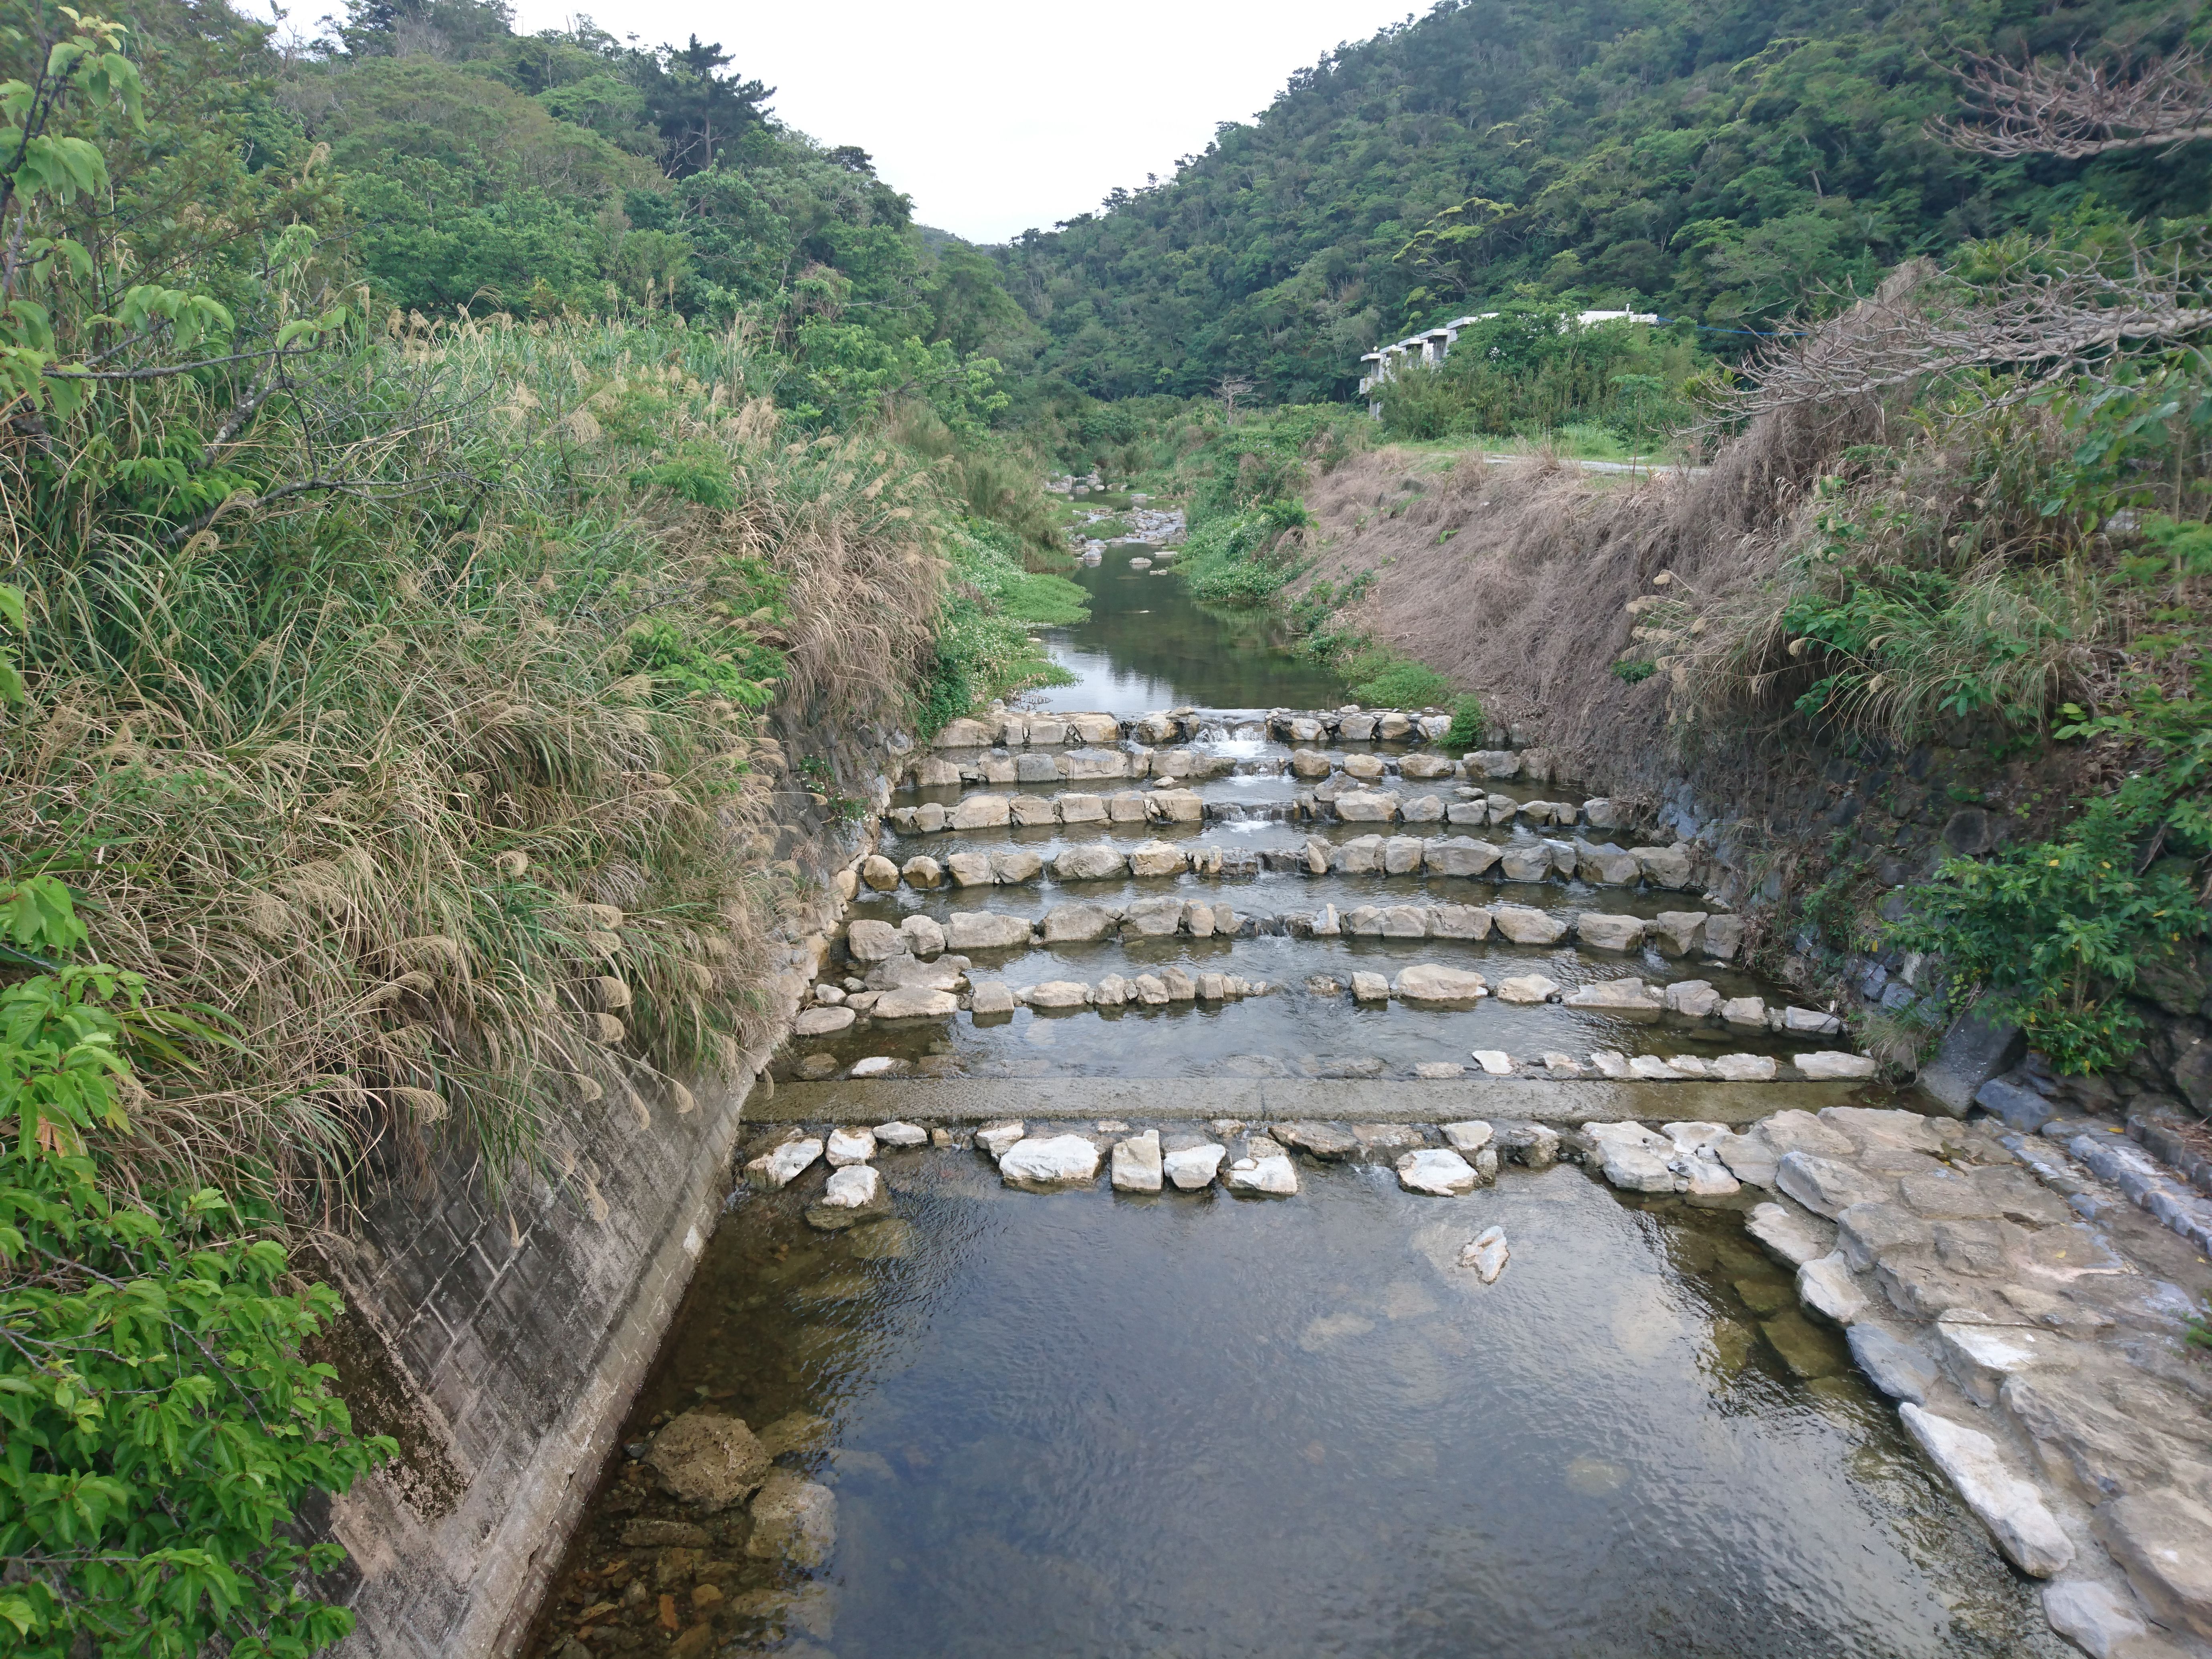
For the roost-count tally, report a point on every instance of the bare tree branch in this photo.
(2081, 108)
(2048, 325)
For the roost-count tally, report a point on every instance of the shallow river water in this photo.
(1090, 1424)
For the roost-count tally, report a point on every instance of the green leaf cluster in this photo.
(161, 1428)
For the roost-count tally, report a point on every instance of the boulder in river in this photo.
(915, 1002)
(1528, 990)
(985, 930)
(1632, 1157)
(1429, 983)
(1191, 1163)
(1049, 1161)
(1436, 1171)
(1524, 925)
(868, 940)
(1601, 932)
(852, 1193)
(707, 1460)
(850, 1147)
(1625, 998)
(1261, 1172)
(1137, 1164)
(1092, 862)
(1322, 1140)
(779, 1167)
(1835, 1064)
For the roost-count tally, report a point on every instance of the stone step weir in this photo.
(1014, 729)
(1004, 766)
(989, 810)
(1259, 1101)
(1668, 868)
(1671, 932)
(1421, 985)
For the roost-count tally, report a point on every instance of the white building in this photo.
(1432, 346)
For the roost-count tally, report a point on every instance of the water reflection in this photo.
(1147, 646)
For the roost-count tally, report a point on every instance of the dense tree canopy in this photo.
(1726, 163)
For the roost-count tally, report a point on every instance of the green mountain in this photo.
(1725, 163)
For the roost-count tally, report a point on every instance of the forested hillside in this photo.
(1724, 163)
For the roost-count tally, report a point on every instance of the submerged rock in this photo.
(707, 1460)
(1487, 1254)
(794, 1521)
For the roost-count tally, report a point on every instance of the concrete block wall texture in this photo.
(521, 1325)
(500, 1332)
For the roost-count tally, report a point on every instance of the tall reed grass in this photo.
(452, 791)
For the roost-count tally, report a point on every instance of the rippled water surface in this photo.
(1085, 1423)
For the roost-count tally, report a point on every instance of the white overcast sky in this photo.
(998, 115)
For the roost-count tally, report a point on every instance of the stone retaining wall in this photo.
(2028, 1320)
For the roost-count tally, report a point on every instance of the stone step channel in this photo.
(1174, 801)
(1470, 857)
(1673, 934)
(1527, 954)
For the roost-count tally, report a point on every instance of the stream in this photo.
(1098, 1424)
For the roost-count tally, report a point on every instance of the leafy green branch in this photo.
(161, 1426)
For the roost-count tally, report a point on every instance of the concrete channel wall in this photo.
(500, 1329)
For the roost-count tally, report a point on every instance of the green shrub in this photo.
(1467, 726)
(1381, 679)
(697, 472)
(2055, 935)
(162, 1427)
